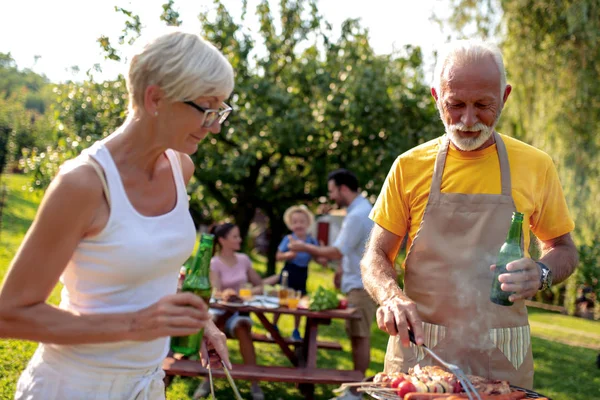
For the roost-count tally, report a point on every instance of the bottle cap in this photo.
(182, 270)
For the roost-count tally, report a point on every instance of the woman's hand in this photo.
(180, 314)
(214, 347)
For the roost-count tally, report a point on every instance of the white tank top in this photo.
(129, 265)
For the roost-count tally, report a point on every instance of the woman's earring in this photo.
(156, 113)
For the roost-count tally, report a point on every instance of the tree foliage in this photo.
(24, 96)
(80, 115)
(304, 104)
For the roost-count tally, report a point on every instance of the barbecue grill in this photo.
(393, 396)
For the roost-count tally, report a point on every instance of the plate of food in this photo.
(267, 299)
(230, 298)
(264, 301)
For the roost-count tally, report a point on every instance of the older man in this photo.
(454, 197)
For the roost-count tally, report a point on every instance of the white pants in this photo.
(45, 379)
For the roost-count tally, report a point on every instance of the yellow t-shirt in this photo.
(536, 189)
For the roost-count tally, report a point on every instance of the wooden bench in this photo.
(172, 366)
(259, 337)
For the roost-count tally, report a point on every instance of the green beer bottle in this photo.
(510, 251)
(197, 281)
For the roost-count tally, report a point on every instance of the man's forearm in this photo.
(379, 276)
(329, 252)
(561, 257)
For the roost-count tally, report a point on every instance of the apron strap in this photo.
(504, 165)
(440, 162)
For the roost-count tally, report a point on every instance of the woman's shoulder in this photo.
(243, 258)
(186, 164)
(76, 178)
(215, 262)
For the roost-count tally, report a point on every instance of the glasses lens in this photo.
(211, 117)
(224, 116)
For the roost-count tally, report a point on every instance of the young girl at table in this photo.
(298, 219)
(230, 270)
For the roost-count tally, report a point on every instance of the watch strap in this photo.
(544, 284)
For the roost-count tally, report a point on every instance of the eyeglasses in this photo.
(212, 115)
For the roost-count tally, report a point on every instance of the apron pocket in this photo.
(512, 342)
(433, 335)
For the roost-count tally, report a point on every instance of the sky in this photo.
(63, 33)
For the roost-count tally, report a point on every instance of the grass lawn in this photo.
(563, 372)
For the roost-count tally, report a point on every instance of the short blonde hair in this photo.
(463, 52)
(183, 65)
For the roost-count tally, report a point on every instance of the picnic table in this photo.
(302, 354)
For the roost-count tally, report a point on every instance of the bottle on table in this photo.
(197, 281)
(511, 250)
(283, 290)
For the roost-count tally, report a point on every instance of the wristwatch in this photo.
(546, 277)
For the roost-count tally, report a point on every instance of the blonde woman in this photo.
(114, 227)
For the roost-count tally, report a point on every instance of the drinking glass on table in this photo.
(293, 299)
(283, 296)
(246, 291)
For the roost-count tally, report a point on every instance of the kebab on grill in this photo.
(434, 379)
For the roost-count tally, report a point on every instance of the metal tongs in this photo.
(210, 381)
(470, 390)
(236, 392)
(231, 382)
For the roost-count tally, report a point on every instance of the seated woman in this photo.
(229, 270)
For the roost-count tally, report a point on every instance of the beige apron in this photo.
(448, 276)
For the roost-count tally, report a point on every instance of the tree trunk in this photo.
(243, 218)
(277, 229)
(4, 132)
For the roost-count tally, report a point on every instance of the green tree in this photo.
(81, 114)
(13, 80)
(24, 96)
(304, 105)
(169, 15)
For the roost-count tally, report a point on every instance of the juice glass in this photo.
(283, 296)
(293, 299)
(246, 291)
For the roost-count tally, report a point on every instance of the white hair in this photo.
(462, 52)
(183, 65)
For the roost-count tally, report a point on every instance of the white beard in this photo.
(468, 143)
(473, 143)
